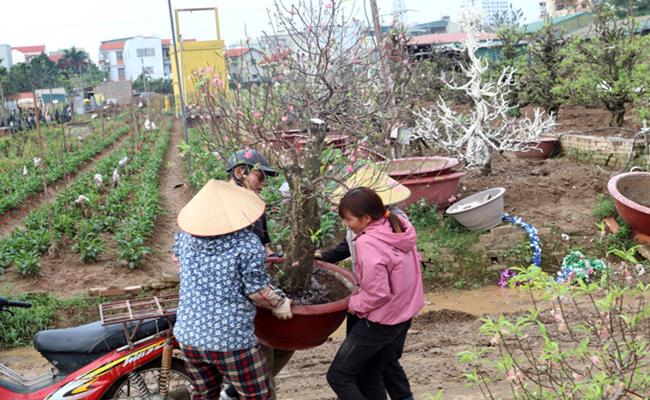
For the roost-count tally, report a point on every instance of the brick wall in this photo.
(602, 150)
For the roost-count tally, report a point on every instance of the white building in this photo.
(25, 53)
(558, 8)
(489, 8)
(5, 56)
(128, 58)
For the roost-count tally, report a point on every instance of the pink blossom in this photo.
(595, 360)
(576, 376)
(284, 118)
(248, 154)
(216, 81)
(293, 11)
(209, 70)
(349, 169)
(257, 114)
(226, 139)
(495, 340)
(514, 375)
(353, 158)
(290, 107)
(329, 5)
(240, 113)
(202, 71)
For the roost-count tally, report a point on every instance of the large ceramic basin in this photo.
(479, 211)
(419, 167)
(631, 193)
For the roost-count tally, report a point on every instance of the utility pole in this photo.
(178, 76)
(385, 72)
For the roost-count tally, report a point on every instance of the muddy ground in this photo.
(550, 193)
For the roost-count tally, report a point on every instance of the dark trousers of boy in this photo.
(367, 364)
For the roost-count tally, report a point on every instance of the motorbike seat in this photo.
(69, 349)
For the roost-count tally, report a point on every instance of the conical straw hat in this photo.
(390, 191)
(220, 208)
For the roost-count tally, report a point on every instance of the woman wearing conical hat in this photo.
(222, 279)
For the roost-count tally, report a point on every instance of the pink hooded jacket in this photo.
(388, 272)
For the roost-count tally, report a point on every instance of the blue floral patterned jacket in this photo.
(217, 274)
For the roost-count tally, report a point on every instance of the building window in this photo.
(119, 56)
(148, 52)
(147, 70)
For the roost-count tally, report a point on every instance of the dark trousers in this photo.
(367, 364)
(276, 359)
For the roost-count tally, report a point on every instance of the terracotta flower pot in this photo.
(419, 167)
(311, 325)
(479, 211)
(540, 149)
(440, 189)
(631, 193)
(337, 141)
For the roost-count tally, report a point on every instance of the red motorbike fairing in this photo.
(93, 380)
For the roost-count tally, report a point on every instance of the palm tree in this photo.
(75, 60)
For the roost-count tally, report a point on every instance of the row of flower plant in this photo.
(99, 203)
(21, 182)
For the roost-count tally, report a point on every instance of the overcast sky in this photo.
(85, 23)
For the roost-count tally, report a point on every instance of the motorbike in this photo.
(130, 353)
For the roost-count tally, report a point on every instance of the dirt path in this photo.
(174, 194)
(67, 271)
(12, 219)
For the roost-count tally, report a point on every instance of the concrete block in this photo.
(133, 289)
(644, 250)
(171, 277)
(642, 238)
(611, 225)
(112, 291)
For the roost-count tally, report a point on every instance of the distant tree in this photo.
(610, 68)
(542, 79)
(624, 8)
(74, 61)
(161, 85)
(510, 33)
(39, 72)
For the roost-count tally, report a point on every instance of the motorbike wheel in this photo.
(127, 387)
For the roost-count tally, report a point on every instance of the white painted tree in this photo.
(474, 137)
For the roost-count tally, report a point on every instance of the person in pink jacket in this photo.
(389, 295)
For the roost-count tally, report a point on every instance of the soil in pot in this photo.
(325, 287)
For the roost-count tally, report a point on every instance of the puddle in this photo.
(486, 300)
(25, 360)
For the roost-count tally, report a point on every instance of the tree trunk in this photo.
(305, 217)
(618, 117)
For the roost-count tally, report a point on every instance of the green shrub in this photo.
(604, 207)
(19, 329)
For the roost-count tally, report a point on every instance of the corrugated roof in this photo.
(443, 38)
(539, 25)
(30, 49)
(55, 57)
(433, 24)
(236, 52)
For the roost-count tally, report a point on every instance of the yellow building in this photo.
(193, 56)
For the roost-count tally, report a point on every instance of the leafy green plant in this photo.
(27, 262)
(89, 248)
(626, 255)
(19, 329)
(604, 207)
(581, 341)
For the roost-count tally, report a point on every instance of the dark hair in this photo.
(365, 201)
